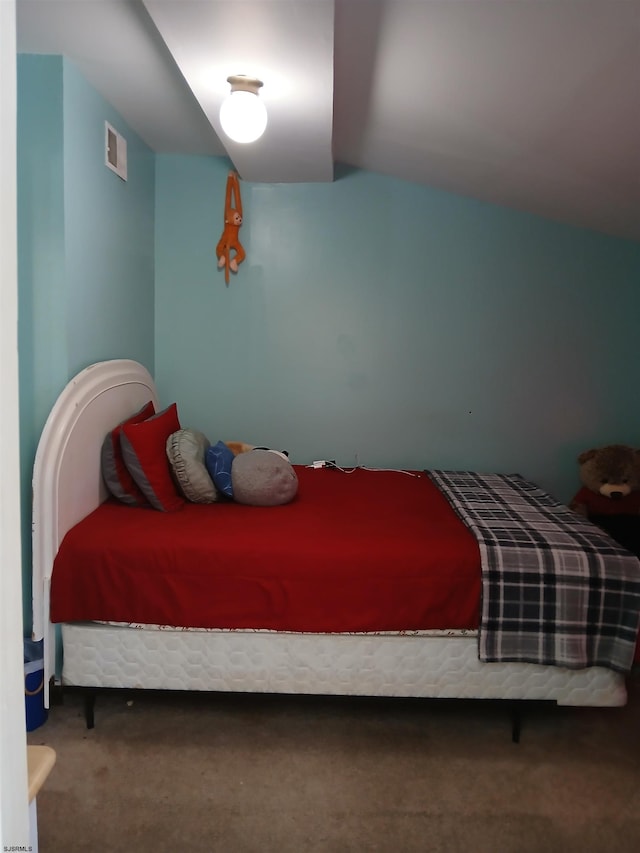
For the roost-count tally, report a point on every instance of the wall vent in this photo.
(115, 151)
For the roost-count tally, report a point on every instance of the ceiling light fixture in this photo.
(243, 115)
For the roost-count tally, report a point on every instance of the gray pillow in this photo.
(263, 478)
(185, 452)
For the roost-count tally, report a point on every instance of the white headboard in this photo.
(67, 480)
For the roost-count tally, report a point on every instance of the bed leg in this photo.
(89, 706)
(56, 695)
(516, 722)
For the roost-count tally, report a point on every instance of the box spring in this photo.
(416, 664)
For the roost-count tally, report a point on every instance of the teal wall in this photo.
(372, 317)
(405, 325)
(109, 228)
(41, 261)
(85, 249)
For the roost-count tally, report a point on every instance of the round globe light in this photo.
(243, 115)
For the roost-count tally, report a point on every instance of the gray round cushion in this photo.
(263, 478)
(185, 452)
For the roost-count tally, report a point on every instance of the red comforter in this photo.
(367, 551)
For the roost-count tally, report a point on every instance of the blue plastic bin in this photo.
(36, 713)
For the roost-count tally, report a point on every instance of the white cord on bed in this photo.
(397, 470)
(335, 467)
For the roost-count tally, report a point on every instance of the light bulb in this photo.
(243, 115)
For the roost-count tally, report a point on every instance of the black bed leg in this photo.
(56, 695)
(89, 706)
(516, 723)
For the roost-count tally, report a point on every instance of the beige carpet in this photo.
(277, 774)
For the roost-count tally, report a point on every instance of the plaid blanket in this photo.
(555, 588)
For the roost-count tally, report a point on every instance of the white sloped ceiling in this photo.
(525, 103)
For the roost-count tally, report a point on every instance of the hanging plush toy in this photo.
(230, 242)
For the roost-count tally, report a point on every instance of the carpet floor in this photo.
(238, 773)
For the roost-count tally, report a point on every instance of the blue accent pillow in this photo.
(218, 459)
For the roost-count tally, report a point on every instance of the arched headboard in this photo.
(67, 480)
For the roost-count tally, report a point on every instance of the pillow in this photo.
(263, 478)
(218, 459)
(144, 452)
(117, 478)
(185, 452)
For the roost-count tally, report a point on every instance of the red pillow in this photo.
(145, 455)
(117, 478)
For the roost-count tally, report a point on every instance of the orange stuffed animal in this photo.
(232, 221)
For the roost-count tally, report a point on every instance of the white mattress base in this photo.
(445, 667)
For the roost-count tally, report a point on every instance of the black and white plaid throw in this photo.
(555, 589)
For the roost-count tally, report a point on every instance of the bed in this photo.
(541, 565)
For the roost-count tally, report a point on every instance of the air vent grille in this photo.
(115, 151)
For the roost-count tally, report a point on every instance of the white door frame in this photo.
(14, 809)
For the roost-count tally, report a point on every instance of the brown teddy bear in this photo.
(610, 492)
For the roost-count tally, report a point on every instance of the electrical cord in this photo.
(332, 465)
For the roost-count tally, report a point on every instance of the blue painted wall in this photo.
(109, 234)
(41, 249)
(405, 325)
(85, 249)
(372, 317)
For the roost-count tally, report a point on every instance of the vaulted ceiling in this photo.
(532, 104)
